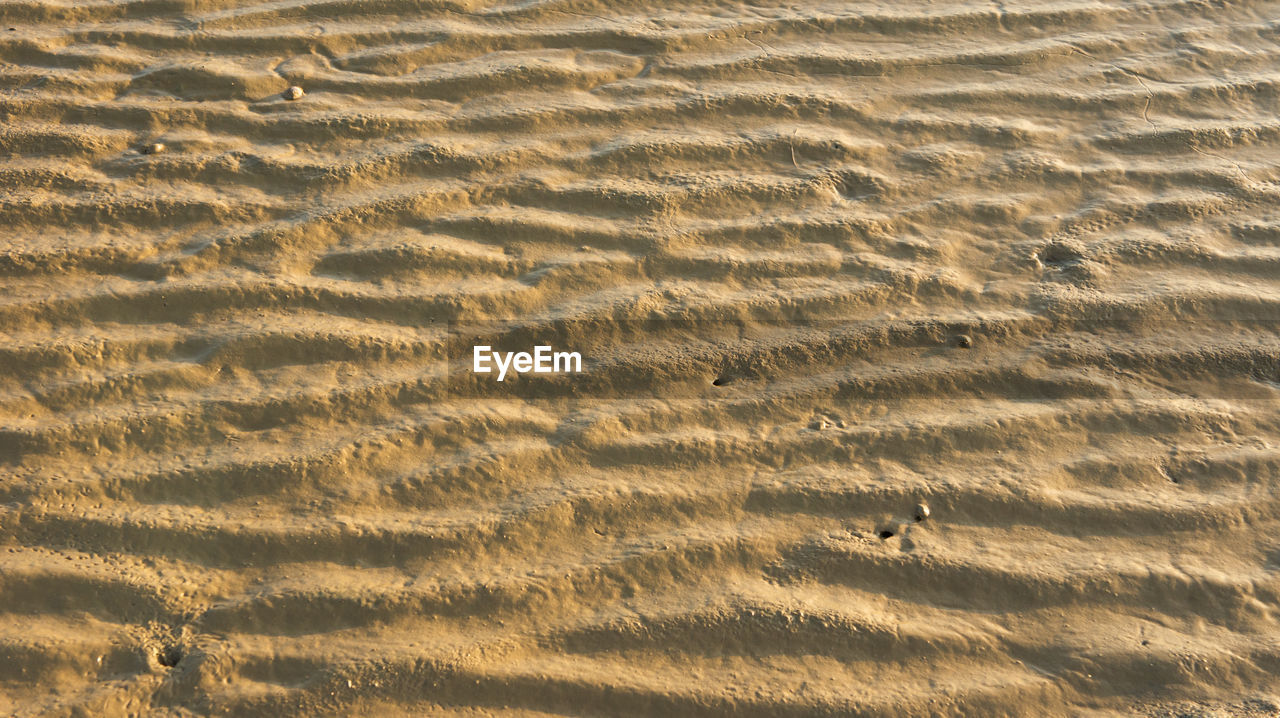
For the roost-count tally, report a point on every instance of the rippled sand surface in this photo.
(238, 478)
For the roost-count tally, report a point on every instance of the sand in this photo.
(831, 263)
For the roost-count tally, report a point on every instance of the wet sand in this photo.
(239, 476)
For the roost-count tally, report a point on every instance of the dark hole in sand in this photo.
(886, 534)
(169, 656)
(719, 381)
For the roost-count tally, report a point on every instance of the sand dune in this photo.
(244, 474)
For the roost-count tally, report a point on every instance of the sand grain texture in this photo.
(238, 480)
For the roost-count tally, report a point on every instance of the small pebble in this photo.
(922, 512)
(154, 148)
(294, 93)
(964, 341)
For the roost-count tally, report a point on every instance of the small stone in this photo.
(154, 148)
(964, 341)
(922, 512)
(294, 93)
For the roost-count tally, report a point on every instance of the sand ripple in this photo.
(237, 478)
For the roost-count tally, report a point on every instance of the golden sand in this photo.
(933, 358)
